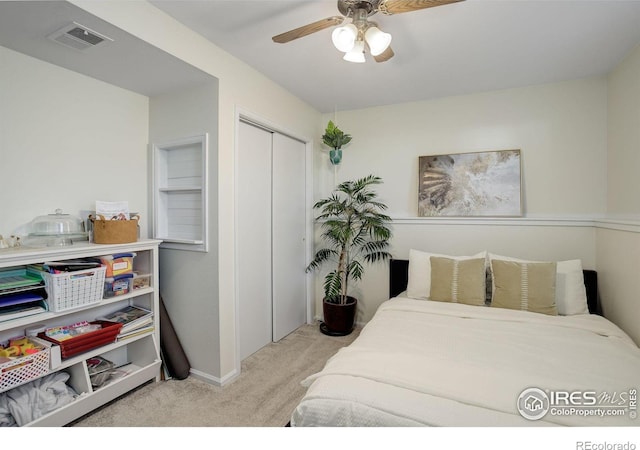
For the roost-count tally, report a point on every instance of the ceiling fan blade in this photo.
(307, 29)
(385, 55)
(401, 6)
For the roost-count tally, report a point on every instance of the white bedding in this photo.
(422, 363)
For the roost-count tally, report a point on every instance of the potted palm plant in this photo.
(355, 231)
(335, 138)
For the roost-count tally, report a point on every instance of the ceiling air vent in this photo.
(78, 37)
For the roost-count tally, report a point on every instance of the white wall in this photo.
(618, 246)
(240, 87)
(67, 140)
(618, 255)
(561, 131)
(623, 161)
(560, 128)
(189, 280)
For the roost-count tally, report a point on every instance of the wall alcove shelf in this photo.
(180, 193)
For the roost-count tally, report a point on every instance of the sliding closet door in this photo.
(288, 235)
(253, 243)
(270, 239)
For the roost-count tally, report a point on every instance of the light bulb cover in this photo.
(344, 37)
(378, 40)
(356, 54)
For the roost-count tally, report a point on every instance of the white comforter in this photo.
(431, 363)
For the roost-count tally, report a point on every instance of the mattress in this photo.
(425, 363)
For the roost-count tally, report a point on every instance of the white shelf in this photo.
(180, 193)
(86, 403)
(28, 255)
(182, 189)
(45, 316)
(182, 241)
(141, 351)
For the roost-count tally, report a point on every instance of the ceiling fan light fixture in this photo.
(356, 54)
(378, 40)
(344, 38)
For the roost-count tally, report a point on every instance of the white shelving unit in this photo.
(180, 193)
(141, 352)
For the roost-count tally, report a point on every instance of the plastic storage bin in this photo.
(140, 281)
(80, 344)
(118, 264)
(118, 285)
(70, 290)
(25, 368)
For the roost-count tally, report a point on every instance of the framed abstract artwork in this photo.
(479, 184)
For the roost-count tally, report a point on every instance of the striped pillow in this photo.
(524, 286)
(458, 280)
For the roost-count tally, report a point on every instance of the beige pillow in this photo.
(524, 286)
(419, 276)
(458, 280)
(571, 296)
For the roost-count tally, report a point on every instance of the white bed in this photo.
(433, 363)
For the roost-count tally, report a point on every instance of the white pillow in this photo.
(571, 294)
(419, 280)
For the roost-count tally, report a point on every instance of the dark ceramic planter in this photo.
(339, 319)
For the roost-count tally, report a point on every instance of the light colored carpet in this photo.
(264, 395)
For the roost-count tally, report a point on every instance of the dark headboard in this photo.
(399, 276)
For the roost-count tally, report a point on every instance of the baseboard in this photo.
(207, 378)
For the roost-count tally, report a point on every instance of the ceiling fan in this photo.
(353, 37)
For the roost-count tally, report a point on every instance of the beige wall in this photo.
(618, 255)
(67, 140)
(623, 160)
(240, 87)
(175, 115)
(618, 245)
(561, 130)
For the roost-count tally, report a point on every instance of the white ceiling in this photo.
(471, 46)
(127, 62)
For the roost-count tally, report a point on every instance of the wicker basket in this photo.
(114, 231)
(71, 290)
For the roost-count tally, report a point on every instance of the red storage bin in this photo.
(80, 344)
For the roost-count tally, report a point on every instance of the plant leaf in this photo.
(354, 230)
